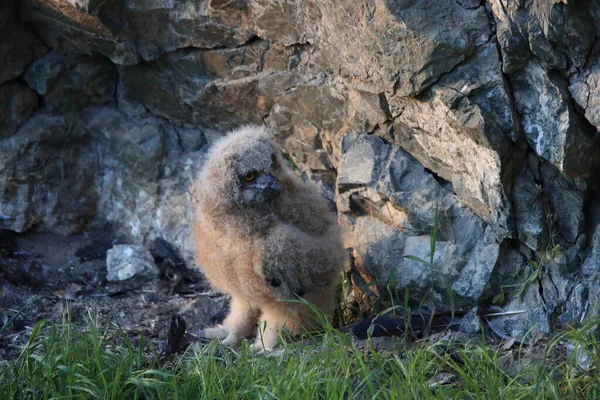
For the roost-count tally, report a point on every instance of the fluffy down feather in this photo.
(264, 236)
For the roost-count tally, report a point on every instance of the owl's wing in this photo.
(295, 262)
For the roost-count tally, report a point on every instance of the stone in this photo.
(558, 33)
(185, 87)
(90, 81)
(19, 103)
(469, 4)
(46, 173)
(526, 319)
(577, 305)
(306, 116)
(537, 291)
(361, 162)
(478, 164)
(591, 265)
(43, 72)
(137, 143)
(191, 139)
(69, 174)
(585, 89)
(532, 227)
(73, 30)
(471, 322)
(283, 23)
(162, 27)
(476, 273)
(128, 31)
(569, 29)
(513, 46)
(552, 127)
(394, 202)
(581, 354)
(368, 109)
(125, 262)
(69, 84)
(564, 203)
(19, 46)
(395, 45)
(482, 83)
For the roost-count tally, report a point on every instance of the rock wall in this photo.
(484, 113)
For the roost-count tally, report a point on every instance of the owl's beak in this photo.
(263, 188)
(272, 182)
(272, 187)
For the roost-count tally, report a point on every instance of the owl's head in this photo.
(243, 170)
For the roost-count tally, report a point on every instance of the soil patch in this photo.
(59, 279)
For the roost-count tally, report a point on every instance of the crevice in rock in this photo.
(251, 40)
(469, 4)
(360, 206)
(587, 128)
(443, 182)
(116, 85)
(427, 85)
(541, 293)
(590, 57)
(471, 99)
(508, 86)
(385, 107)
(553, 283)
(591, 210)
(587, 97)
(187, 50)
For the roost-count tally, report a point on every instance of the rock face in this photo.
(480, 119)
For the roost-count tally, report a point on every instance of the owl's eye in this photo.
(248, 177)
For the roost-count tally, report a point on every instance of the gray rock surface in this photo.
(124, 262)
(552, 127)
(19, 46)
(90, 81)
(47, 171)
(43, 72)
(462, 129)
(471, 322)
(485, 111)
(390, 202)
(18, 103)
(530, 215)
(67, 174)
(585, 89)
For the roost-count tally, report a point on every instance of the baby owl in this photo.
(264, 236)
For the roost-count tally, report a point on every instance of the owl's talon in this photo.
(231, 340)
(208, 334)
(257, 348)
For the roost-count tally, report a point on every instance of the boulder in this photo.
(551, 125)
(392, 203)
(124, 262)
(19, 103)
(19, 46)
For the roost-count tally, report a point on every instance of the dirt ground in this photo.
(55, 278)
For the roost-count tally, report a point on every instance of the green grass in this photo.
(62, 363)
